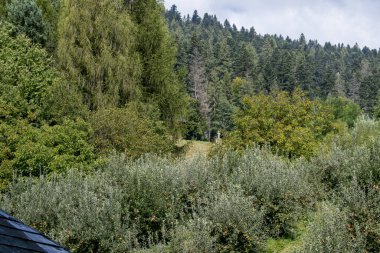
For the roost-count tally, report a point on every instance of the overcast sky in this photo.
(337, 21)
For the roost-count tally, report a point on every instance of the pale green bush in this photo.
(279, 187)
(231, 203)
(362, 205)
(328, 233)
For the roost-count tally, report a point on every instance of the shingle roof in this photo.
(16, 237)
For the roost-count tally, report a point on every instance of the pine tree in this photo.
(158, 57)
(339, 87)
(28, 19)
(247, 61)
(198, 85)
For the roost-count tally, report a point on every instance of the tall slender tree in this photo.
(198, 86)
(157, 52)
(96, 48)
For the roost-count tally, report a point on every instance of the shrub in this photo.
(214, 205)
(85, 213)
(344, 110)
(328, 233)
(194, 236)
(353, 154)
(280, 188)
(361, 203)
(34, 151)
(291, 125)
(125, 130)
(237, 224)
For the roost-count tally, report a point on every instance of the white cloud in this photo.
(337, 21)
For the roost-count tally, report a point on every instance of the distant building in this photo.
(16, 237)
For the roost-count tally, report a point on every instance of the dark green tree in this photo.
(157, 52)
(28, 19)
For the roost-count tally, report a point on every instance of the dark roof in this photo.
(16, 237)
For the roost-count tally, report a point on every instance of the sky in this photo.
(336, 21)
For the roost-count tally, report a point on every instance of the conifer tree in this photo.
(158, 57)
(96, 48)
(198, 85)
(28, 19)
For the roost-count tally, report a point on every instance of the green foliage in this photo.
(30, 87)
(344, 110)
(126, 130)
(361, 203)
(37, 136)
(118, 57)
(50, 11)
(195, 124)
(96, 41)
(328, 233)
(3, 8)
(291, 124)
(33, 151)
(157, 53)
(25, 73)
(28, 19)
(194, 236)
(94, 204)
(225, 210)
(62, 101)
(222, 204)
(164, 205)
(272, 62)
(376, 109)
(353, 154)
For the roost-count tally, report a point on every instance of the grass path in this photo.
(195, 148)
(288, 245)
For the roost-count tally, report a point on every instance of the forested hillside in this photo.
(125, 127)
(220, 63)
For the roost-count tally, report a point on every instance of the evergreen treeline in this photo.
(221, 63)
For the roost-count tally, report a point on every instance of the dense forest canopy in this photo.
(229, 63)
(98, 97)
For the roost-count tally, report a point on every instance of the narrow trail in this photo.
(197, 148)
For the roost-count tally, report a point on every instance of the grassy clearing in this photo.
(193, 149)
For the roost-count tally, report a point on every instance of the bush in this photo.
(194, 236)
(34, 151)
(25, 73)
(128, 205)
(229, 203)
(344, 110)
(221, 204)
(235, 221)
(280, 188)
(292, 125)
(328, 233)
(127, 131)
(85, 213)
(361, 203)
(353, 154)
